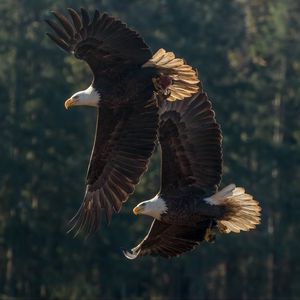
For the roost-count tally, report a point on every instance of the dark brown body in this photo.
(125, 85)
(187, 208)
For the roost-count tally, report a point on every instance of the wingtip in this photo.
(84, 11)
(129, 255)
(72, 11)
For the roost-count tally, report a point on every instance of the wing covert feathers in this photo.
(184, 80)
(242, 211)
(124, 143)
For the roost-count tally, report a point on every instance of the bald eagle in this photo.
(128, 83)
(190, 207)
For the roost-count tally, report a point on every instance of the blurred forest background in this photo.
(248, 57)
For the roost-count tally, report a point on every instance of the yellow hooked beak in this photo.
(69, 103)
(136, 210)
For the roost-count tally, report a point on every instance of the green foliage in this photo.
(247, 54)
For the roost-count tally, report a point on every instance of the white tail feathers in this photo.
(184, 79)
(242, 212)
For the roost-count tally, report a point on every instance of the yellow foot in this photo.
(222, 228)
(209, 235)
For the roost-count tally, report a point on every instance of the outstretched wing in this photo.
(103, 41)
(124, 142)
(169, 240)
(190, 140)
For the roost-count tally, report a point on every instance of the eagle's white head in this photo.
(154, 207)
(89, 97)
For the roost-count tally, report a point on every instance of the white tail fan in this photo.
(184, 79)
(242, 211)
